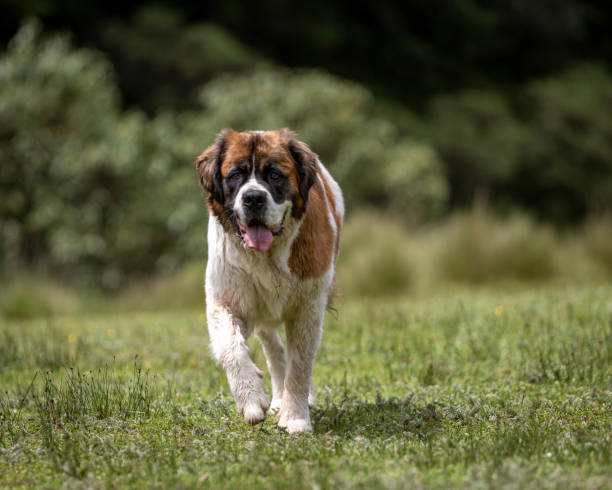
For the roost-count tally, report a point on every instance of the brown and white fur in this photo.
(275, 217)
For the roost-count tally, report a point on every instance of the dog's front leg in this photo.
(228, 336)
(275, 358)
(303, 338)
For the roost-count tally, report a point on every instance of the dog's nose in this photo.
(254, 199)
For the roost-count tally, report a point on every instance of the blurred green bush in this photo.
(380, 257)
(377, 258)
(480, 142)
(546, 149)
(596, 235)
(568, 160)
(478, 247)
(86, 189)
(29, 296)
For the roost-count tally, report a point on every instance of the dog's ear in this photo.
(208, 165)
(305, 161)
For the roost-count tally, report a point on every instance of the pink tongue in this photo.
(258, 237)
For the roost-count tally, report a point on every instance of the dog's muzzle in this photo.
(254, 228)
(254, 204)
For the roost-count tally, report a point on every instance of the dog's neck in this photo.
(277, 257)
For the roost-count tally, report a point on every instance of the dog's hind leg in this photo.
(303, 337)
(228, 337)
(275, 358)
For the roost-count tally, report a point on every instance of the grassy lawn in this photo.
(467, 388)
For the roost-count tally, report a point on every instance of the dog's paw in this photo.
(293, 420)
(294, 426)
(251, 400)
(254, 408)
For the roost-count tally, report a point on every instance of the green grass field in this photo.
(468, 388)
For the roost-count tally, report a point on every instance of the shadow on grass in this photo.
(381, 418)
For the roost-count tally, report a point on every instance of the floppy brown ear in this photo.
(305, 161)
(208, 165)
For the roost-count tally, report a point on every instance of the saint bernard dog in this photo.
(275, 217)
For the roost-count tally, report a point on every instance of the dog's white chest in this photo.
(258, 286)
(270, 297)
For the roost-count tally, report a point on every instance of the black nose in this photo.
(254, 199)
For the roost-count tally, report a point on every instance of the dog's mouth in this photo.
(257, 235)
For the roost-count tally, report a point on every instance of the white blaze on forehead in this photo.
(249, 185)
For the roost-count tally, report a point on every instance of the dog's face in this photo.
(257, 181)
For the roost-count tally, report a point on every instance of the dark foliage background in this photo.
(405, 50)
(419, 108)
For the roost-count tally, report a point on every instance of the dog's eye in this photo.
(275, 175)
(235, 176)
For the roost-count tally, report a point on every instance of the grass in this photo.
(469, 388)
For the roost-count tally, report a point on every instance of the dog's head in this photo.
(256, 181)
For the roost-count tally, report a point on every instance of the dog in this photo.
(275, 218)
